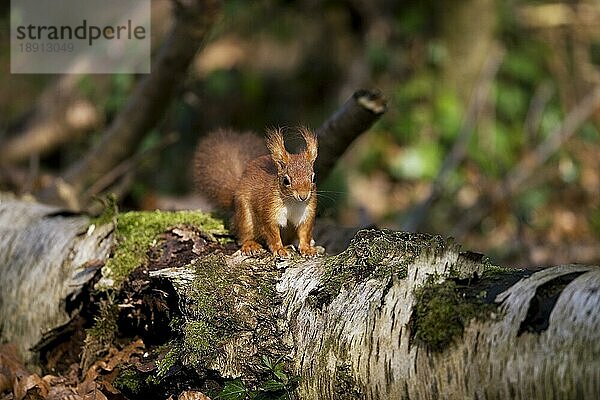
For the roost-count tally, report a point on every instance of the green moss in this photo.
(374, 254)
(209, 318)
(130, 382)
(101, 335)
(137, 231)
(167, 362)
(105, 323)
(109, 212)
(211, 281)
(442, 310)
(200, 340)
(223, 301)
(491, 271)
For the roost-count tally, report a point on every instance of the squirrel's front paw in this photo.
(307, 250)
(251, 248)
(281, 252)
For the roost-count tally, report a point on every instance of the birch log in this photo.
(46, 256)
(359, 344)
(394, 316)
(349, 323)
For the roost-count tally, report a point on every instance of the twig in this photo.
(540, 98)
(58, 116)
(581, 113)
(459, 148)
(353, 118)
(125, 167)
(531, 162)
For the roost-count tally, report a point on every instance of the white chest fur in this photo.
(292, 211)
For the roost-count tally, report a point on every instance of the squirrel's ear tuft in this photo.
(276, 147)
(311, 143)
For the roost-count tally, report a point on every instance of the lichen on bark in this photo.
(229, 316)
(372, 254)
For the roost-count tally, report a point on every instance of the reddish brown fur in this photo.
(220, 160)
(261, 192)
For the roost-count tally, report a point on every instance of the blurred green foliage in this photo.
(291, 63)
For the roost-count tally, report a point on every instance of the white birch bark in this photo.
(45, 259)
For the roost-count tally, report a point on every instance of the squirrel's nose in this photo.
(303, 198)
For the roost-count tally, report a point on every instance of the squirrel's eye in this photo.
(312, 178)
(286, 180)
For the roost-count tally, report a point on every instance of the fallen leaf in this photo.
(122, 357)
(10, 367)
(30, 387)
(90, 391)
(61, 392)
(192, 395)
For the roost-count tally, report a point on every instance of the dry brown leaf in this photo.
(108, 387)
(90, 391)
(10, 367)
(61, 392)
(30, 387)
(91, 374)
(122, 357)
(96, 378)
(185, 234)
(95, 395)
(192, 395)
(86, 387)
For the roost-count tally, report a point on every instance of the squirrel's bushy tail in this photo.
(220, 160)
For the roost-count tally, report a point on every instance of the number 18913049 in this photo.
(34, 47)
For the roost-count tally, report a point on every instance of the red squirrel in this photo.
(272, 192)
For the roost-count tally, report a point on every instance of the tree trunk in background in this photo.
(467, 29)
(394, 316)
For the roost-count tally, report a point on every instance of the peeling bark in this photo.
(394, 316)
